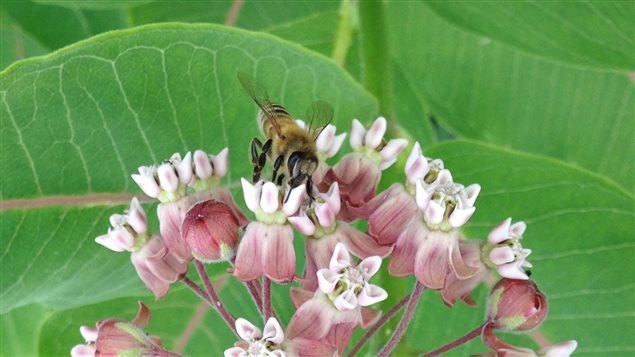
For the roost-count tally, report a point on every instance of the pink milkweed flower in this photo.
(167, 181)
(116, 337)
(157, 266)
(127, 231)
(343, 291)
(255, 342)
(211, 231)
(505, 252)
(504, 349)
(267, 245)
(358, 173)
(324, 231)
(516, 305)
(327, 145)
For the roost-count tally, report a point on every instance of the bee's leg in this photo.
(280, 178)
(257, 159)
(309, 189)
(276, 167)
(266, 149)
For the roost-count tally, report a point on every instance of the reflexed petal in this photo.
(500, 232)
(562, 349)
(221, 163)
(432, 261)
(357, 134)
(327, 280)
(273, 331)
(312, 320)
(369, 266)
(393, 149)
(375, 133)
(512, 271)
(251, 194)
(346, 300)
(158, 287)
(235, 352)
(246, 330)
(303, 224)
(109, 243)
(278, 254)
(403, 256)
(501, 255)
(248, 265)
(359, 244)
(387, 163)
(434, 213)
(269, 198)
(167, 177)
(369, 316)
(202, 166)
(341, 258)
(460, 216)
(171, 215)
(294, 200)
(371, 294)
(459, 263)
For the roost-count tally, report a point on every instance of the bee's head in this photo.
(301, 165)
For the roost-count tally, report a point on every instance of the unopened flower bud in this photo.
(516, 305)
(210, 230)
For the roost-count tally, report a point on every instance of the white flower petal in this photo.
(246, 330)
(417, 170)
(202, 166)
(434, 213)
(511, 271)
(501, 255)
(415, 154)
(332, 197)
(167, 177)
(88, 333)
(357, 134)
(303, 224)
(500, 232)
(147, 184)
(251, 194)
(184, 168)
(562, 349)
(269, 198)
(422, 196)
(346, 301)
(369, 266)
(107, 242)
(137, 218)
(386, 164)
(325, 139)
(472, 193)
(460, 216)
(294, 200)
(235, 352)
(517, 229)
(371, 294)
(273, 331)
(327, 280)
(341, 258)
(221, 163)
(375, 133)
(393, 149)
(336, 145)
(325, 214)
(444, 177)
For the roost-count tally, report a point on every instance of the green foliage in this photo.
(540, 95)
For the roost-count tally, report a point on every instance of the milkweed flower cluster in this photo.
(415, 225)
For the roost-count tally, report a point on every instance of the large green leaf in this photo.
(80, 121)
(580, 228)
(15, 44)
(591, 33)
(488, 90)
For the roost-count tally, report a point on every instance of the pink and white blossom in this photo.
(256, 343)
(127, 231)
(505, 251)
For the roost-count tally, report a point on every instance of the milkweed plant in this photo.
(413, 228)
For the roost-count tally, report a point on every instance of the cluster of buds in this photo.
(416, 223)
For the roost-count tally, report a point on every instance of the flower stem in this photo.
(256, 294)
(266, 298)
(214, 299)
(376, 69)
(381, 322)
(405, 321)
(469, 336)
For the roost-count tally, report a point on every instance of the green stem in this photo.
(346, 27)
(375, 53)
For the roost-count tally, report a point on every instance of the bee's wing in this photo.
(319, 116)
(259, 95)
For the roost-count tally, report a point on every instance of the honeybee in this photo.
(291, 147)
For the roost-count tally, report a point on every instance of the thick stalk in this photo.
(346, 27)
(405, 321)
(468, 337)
(256, 294)
(214, 299)
(375, 53)
(381, 322)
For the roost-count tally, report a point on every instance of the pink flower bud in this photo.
(516, 305)
(210, 230)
